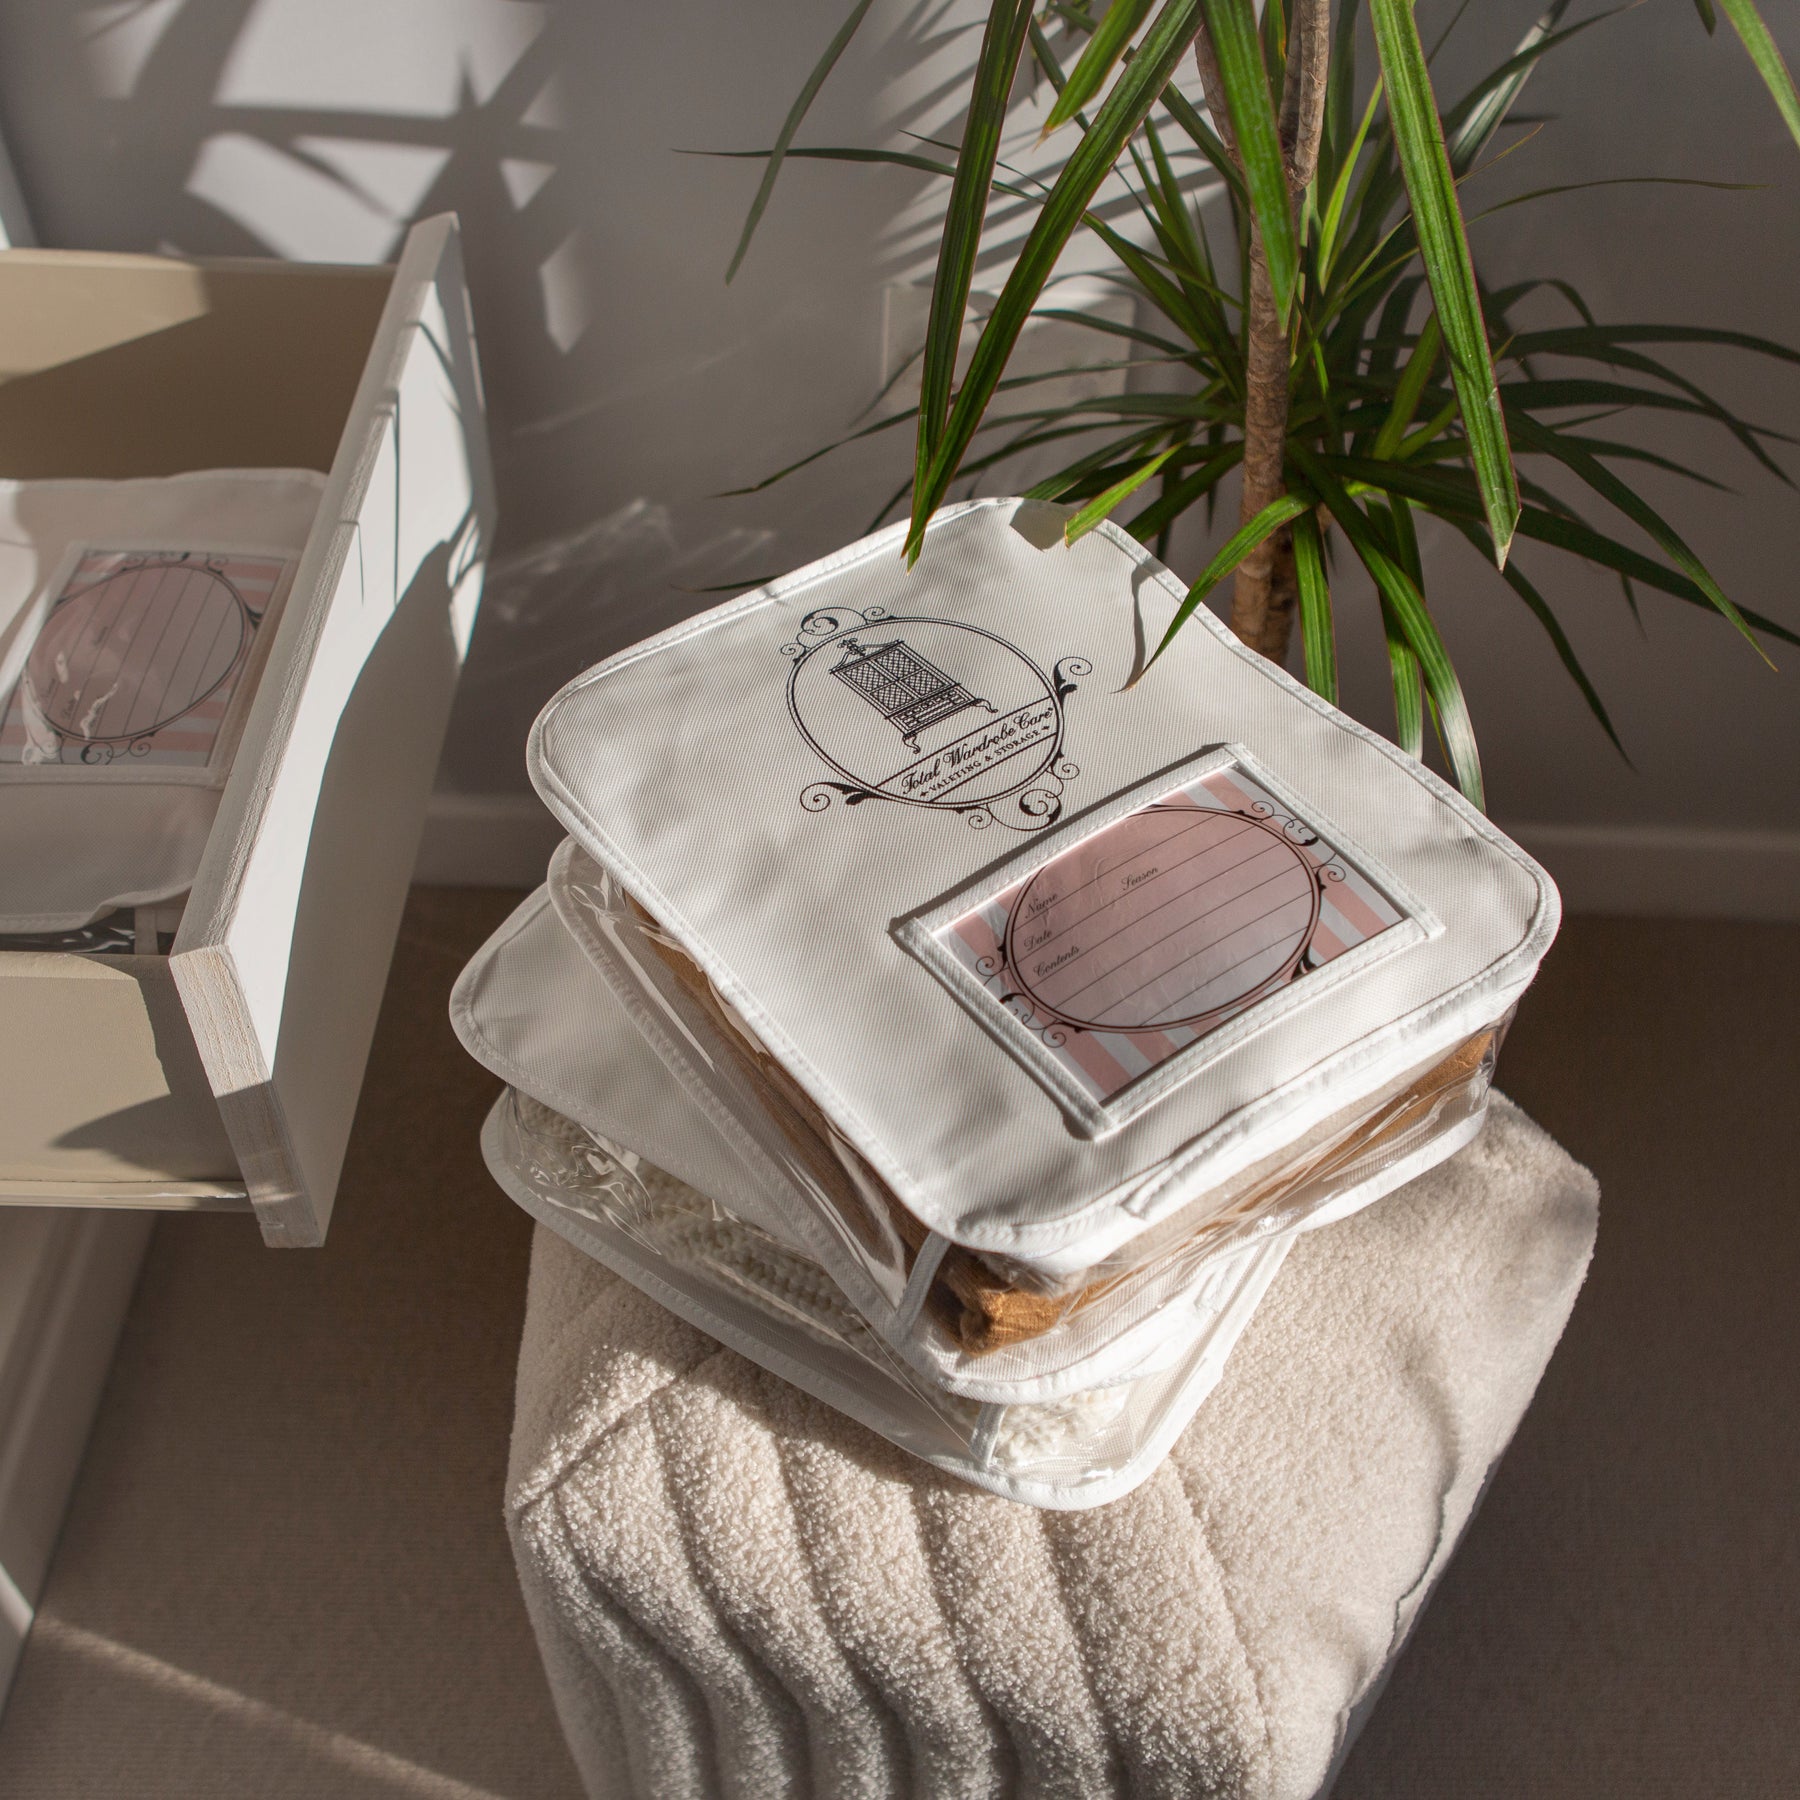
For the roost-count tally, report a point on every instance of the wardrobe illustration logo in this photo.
(930, 712)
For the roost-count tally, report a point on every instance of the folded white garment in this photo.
(530, 1008)
(135, 618)
(1055, 957)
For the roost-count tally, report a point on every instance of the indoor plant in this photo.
(1336, 344)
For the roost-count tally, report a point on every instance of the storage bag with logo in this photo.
(1062, 966)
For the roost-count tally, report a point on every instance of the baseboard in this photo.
(1669, 871)
(66, 1280)
(1655, 871)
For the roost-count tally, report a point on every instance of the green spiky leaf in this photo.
(1444, 249)
(1318, 634)
(1098, 57)
(796, 113)
(1231, 25)
(1132, 96)
(1235, 548)
(1002, 45)
(1103, 505)
(1770, 64)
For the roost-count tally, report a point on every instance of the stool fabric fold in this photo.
(739, 1592)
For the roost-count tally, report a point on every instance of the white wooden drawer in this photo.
(226, 1073)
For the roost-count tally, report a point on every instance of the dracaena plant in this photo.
(1335, 345)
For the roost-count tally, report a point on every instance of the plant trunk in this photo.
(1266, 594)
(1263, 601)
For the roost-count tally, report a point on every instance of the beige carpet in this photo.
(285, 1573)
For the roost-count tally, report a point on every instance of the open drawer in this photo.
(220, 1067)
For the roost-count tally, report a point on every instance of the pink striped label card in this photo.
(1157, 929)
(138, 658)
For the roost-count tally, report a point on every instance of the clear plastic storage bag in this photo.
(980, 1322)
(532, 1008)
(774, 1305)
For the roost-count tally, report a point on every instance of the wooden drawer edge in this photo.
(156, 1196)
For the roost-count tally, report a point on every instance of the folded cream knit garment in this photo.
(739, 1592)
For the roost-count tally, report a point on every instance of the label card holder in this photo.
(134, 658)
(1124, 952)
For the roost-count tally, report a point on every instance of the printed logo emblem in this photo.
(929, 712)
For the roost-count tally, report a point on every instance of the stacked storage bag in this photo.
(961, 1027)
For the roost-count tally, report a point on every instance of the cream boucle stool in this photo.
(740, 1592)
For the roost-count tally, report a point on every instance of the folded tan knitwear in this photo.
(980, 1304)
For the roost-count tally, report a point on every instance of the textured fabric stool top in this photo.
(740, 1592)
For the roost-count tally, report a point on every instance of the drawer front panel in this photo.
(284, 952)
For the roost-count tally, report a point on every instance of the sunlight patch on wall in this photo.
(120, 39)
(345, 191)
(297, 209)
(546, 111)
(524, 179)
(567, 308)
(395, 178)
(411, 58)
(641, 532)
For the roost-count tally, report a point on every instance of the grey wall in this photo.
(1715, 737)
(629, 385)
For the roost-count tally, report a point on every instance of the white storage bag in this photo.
(1065, 963)
(135, 617)
(773, 1305)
